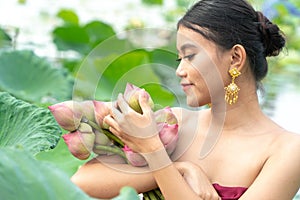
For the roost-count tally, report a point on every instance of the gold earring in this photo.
(232, 90)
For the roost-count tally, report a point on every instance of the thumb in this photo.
(144, 101)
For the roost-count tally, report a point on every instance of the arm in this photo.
(105, 180)
(197, 180)
(280, 177)
(139, 132)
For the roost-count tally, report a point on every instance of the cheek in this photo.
(207, 71)
(210, 76)
(199, 95)
(200, 83)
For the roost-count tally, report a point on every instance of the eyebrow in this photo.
(186, 46)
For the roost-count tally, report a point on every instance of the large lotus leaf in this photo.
(136, 68)
(126, 68)
(61, 157)
(23, 177)
(153, 2)
(68, 16)
(26, 126)
(103, 78)
(71, 37)
(98, 32)
(81, 38)
(32, 78)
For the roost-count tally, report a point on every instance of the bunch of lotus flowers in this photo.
(88, 133)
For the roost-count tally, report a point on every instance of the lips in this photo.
(185, 86)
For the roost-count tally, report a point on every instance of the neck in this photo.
(245, 113)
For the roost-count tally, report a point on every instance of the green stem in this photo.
(106, 132)
(111, 149)
(113, 137)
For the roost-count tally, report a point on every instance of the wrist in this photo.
(153, 144)
(157, 159)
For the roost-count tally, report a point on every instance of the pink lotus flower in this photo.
(131, 95)
(165, 115)
(102, 109)
(168, 134)
(80, 143)
(167, 125)
(68, 114)
(135, 159)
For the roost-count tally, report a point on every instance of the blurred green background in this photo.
(52, 51)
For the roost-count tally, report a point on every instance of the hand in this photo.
(138, 131)
(197, 180)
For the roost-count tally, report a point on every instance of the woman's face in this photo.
(203, 68)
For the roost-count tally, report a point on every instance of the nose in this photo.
(180, 72)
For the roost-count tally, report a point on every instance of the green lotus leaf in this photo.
(23, 177)
(61, 157)
(127, 193)
(25, 126)
(81, 39)
(98, 32)
(32, 78)
(68, 16)
(5, 39)
(103, 78)
(71, 37)
(153, 2)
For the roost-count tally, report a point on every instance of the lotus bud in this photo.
(102, 109)
(168, 134)
(87, 108)
(68, 114)
(79, 143)
(131, 95)
(85, 128)
(135, 159)
(101, 138)
(165, 116)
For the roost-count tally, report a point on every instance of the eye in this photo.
(189, 57)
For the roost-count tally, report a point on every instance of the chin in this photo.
(192, 103)
(195, 102)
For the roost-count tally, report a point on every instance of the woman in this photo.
(231, 151)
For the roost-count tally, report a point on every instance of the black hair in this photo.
(231, 22)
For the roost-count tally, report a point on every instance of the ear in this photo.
(238, 57)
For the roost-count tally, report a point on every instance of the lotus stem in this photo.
(111, 149)
(104, 131)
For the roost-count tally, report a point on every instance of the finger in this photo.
(111, 122)
(116, 114)
(122, 104)
(116, 133)
(114, 126)
(144, 101)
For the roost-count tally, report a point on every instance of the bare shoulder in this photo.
(287, 141)
(286, 147)
(280, 176)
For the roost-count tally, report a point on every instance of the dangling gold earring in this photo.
(232, 90)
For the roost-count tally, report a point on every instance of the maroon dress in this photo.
(229, 193)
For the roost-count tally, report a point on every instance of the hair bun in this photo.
(272, 38)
